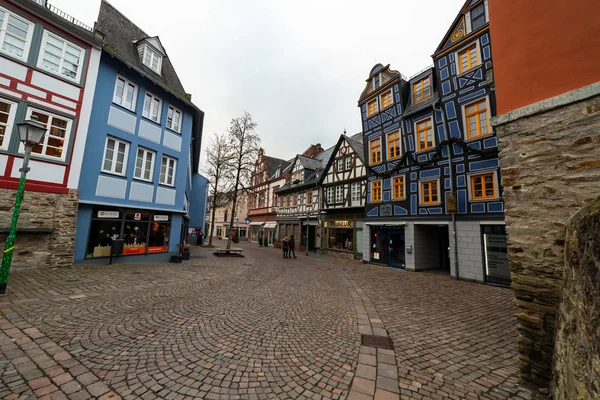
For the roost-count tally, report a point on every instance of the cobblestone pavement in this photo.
(258, 327)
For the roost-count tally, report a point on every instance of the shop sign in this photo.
(108, 214)
(137, 216)
(161, 217)
(158, 249)
(339, 224)
(496, 256)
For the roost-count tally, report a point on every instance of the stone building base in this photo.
(46, 228)
(550, 161)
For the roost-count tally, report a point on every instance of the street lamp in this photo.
(31, 133)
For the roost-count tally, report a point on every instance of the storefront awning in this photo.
(256, 223)
(270, 225)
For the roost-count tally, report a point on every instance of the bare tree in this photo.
(219, 159)
(244, 143)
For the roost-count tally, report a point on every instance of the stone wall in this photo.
(46, 228)
(550, 160)
(577, 346)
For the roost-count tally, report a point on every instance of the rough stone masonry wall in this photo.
(550, 164)
(41, 211)
(577, 351)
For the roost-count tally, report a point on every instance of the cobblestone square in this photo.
(258, 327)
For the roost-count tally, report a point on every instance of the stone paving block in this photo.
(384, 395)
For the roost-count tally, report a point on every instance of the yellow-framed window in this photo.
(422, 90)
(478, 119)
(425, 139)
(375, 151)
(483, 187)
(468, 58)
(376, 191)
(398, 188)
(372, 107)
(393, 144)
(429, 192)
(386, 99)
(309, 198)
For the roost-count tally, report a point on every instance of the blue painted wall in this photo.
(198, 201)
(100, 128)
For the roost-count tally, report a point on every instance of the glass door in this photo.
(396, 253)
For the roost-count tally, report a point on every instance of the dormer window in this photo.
(377, 82)
(150, 57)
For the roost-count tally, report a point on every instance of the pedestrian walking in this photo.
(200, 238)
(285, 247)
(292, 246)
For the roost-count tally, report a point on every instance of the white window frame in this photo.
(165, 180)
(10, 123)
(356, 192)
(457, 60)
(124, 98)
(348, 163)
(340, 164)
(391, 92)
(330, 194)
(153, 98)
(145, 153)
(30, 29)
(113, 163)
(40, 62)
(430, 117)
(378, 76)
(483, 172)
(439, 190)
(339, 194)
(153, 53)
(44, 144)
(464, 119)
(173, 110)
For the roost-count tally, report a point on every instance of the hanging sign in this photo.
(161, 217)
(108, 214)
(451, 203)
(137, 216)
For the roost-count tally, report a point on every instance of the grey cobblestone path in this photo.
(258, 327)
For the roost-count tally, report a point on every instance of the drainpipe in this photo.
(437, 107)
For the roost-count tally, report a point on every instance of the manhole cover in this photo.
(382, 342)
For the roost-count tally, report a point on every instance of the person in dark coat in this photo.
(292, 245)
(285, 247)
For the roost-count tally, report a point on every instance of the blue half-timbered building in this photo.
(434, 194)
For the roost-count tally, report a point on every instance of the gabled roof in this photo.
(154, 42)
(356, 142)
(273, 164)
(120, 38)
(458, 30)
(308, 163)
(312, 174)
(413, 108)
(387, 75)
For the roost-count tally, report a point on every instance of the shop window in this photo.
(102, 230)
(160, 229)
(477, 119)
(340, 239)
(422, 90)
(398, 188)
(425, 139)
(386, 99)
(429, 192)
(393, 143)
(376, 191)
(483, 187)
(135, 232)
(375, 151)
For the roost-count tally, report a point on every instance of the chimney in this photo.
(313, 150)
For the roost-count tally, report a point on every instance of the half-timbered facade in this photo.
(48, 70)
(269, 175)
(433, 175)
(298, 211)
(343, 200)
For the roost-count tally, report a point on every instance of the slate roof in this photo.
(274, 163)
(415, 108)
(356, 142)
(313, 170)
(120, 37)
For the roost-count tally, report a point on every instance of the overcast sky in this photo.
(297, 67)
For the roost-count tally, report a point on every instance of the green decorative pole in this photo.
(10, 240)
